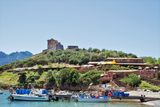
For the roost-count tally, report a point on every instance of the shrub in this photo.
(132, 80)
(146, 85)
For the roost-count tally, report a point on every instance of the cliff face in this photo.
(8, 58)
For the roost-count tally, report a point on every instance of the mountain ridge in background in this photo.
(14, 56)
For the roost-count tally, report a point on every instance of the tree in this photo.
(94, 57)
(91, 76)
(150, 60)
(158, 61)
(130, 55)
(50, 80)
(73, 78)
(30, 79)
(22, 78)
(96, 50)
(69, 77)
(132, 80)
(73, 60)
(40, 69)
(84, 60)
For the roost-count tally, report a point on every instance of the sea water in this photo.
(4, 102)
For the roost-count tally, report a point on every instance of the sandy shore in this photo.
(153, 103)
(146, 93)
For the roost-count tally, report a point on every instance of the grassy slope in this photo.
(8, 78)
(146, 85)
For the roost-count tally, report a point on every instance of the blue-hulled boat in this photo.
(115, 96)
(101, 99)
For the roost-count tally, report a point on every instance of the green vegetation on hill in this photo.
(132, 80)
(151, 60)
(147, 86)
(8, 79)
(66, 78)
(116, 67)
(78, 56)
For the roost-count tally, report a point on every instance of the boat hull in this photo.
(94, 100)
(28, 98)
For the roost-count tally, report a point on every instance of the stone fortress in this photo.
(53, 45)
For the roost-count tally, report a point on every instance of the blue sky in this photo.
(132, 26)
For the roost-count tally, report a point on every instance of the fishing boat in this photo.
(86, 97)
(63, 95)
(115, 96)
(29, 95)
(101, 99)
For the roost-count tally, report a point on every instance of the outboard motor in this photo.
(50, 97)
(11, 98)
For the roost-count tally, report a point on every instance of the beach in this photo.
(147, 94)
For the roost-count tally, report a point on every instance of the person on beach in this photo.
(109, 94)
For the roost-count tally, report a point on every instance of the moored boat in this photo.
(29, 95)
(64, 93)
(86, 97)
(26, 97)
(111, 97)
(101, 99)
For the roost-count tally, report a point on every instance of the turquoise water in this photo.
(4, 102)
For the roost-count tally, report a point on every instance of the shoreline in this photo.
(153, 103)
(147, 94)
(149, 104)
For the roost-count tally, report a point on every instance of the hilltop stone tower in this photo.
(54, 45)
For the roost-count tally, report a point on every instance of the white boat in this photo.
(28, 95)
(63, 93)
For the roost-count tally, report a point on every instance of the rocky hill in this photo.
(8, 58)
